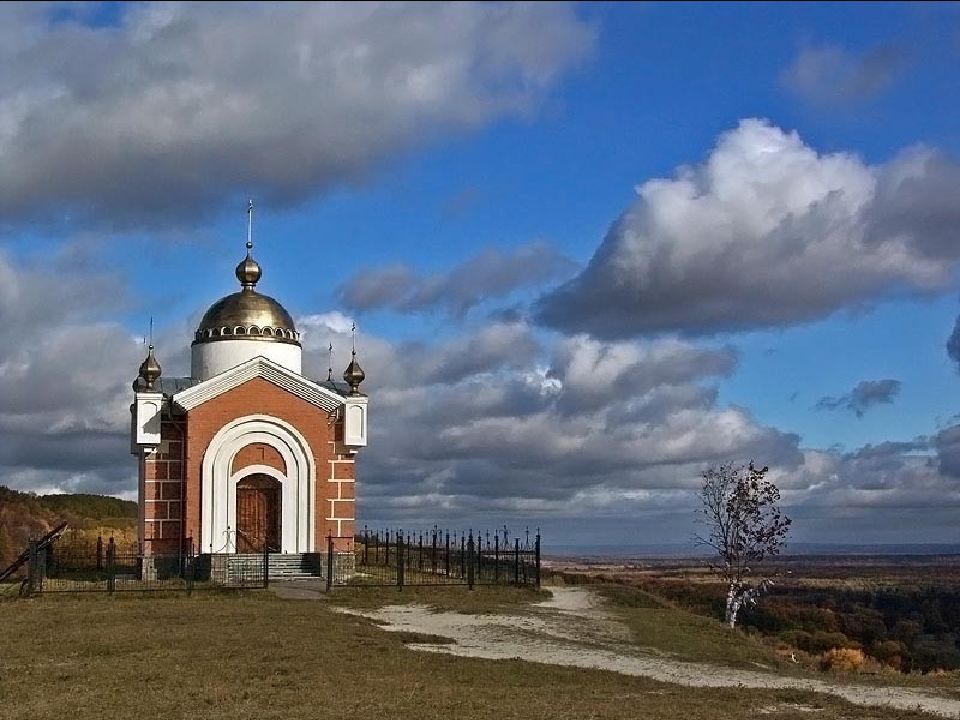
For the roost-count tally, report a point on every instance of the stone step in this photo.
(296, 566)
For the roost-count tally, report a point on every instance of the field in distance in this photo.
(893, 613)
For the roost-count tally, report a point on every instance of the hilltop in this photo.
(25, 515)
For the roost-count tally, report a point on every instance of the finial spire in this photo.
(248, 271)
(353, 333)
(330, 363)
(249, 226)
(151, 331)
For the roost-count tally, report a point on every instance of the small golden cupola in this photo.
(355, 405)
(150, 371)
(354, 374)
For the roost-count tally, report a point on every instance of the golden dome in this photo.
(247, 315)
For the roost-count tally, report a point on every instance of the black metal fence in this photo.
(435, 557)
(383, 558)
(52, 569)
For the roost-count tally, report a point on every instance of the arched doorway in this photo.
(218, 508)
(258, 514)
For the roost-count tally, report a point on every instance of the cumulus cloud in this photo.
(767, 232)
(594, 374)
(160, 116)
(864, 396)
(63, 390)
(496, 421)
(886, 475)
(832, 75)
(492, 274)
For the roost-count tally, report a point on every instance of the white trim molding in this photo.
(218, 517)
(260, 367)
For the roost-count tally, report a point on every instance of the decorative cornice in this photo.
(258, 367)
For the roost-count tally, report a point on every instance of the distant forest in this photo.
(911, 625)
(26, 515)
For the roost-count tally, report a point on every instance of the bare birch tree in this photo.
(741, 510)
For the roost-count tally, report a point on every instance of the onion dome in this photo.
(354, 375)
(247, 315)
(248, 271)
(149, 372)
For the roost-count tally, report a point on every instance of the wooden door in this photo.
(258, 514)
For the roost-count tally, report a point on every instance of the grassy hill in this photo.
(25, 515)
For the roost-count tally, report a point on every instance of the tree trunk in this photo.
(734, 602)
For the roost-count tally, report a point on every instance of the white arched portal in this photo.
(219, 487)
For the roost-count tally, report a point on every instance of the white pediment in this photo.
(258, 367)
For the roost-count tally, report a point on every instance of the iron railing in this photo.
(382, 558)
(69, 569)
(435, 557)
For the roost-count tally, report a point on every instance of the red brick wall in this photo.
(260, 397)
(162, 491)
(258, 454)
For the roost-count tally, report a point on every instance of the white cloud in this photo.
(767, 232)
(179, 106)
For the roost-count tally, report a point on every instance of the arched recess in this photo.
(218, 491)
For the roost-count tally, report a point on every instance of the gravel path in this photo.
(559, 628)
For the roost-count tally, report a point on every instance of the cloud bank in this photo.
(498, 423)
(160, 117)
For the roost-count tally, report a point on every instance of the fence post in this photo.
(366, 543)
(399, 561)
(537, 556)
(266, 565)
(111, 566)
(99, 552)
(516, 563)
(470, 567)
(330, 561)
(433, 553)
(480, 555)
(463, 556)
(446, 556)
(386, 549)
(189, 570)
(33, 569)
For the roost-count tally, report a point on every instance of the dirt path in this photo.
(567, 629)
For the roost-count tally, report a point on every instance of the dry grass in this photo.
(254, 656)
(659, 624)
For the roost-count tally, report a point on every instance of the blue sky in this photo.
(540, 133)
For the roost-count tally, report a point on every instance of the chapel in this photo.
(247, 454)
